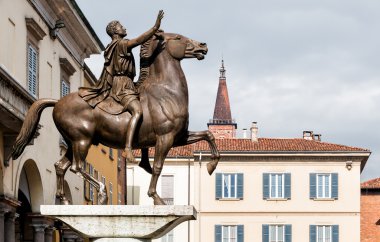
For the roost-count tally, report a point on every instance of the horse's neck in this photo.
(165, 70)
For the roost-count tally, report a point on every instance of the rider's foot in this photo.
(128, 155)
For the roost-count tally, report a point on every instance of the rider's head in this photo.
(115, 28)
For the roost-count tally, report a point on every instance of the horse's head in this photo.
(180, 47)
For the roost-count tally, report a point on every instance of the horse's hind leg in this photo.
(163, 145)
(61, 167)
(80, 150)
(193, 137)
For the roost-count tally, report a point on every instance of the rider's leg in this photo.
(134, 107)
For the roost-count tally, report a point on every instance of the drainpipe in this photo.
(199, 195)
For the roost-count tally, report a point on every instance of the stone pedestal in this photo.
(117, 223)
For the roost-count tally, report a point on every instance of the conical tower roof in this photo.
(222, 111)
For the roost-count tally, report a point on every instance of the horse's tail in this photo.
(29, 126)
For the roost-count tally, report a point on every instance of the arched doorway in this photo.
(30, 194)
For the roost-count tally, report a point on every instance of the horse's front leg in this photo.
(163, 145)
(193, 137)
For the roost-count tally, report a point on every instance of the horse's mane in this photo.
(145, 55)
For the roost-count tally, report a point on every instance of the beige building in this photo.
(264, 189)
(43, 45)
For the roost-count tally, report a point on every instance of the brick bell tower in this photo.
(222, 125)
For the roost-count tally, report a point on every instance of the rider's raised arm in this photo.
(148, 34)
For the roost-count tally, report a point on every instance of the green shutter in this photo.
(218, 233)
(288, 186)
(240, 233)
(313, 185)
(288, 233)
(335, 233)
(334, 185)
(218, 186)
(240, 185)
(265, 233)
(313, 233)
(265, 186)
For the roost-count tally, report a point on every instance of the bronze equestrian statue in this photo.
(163, 95)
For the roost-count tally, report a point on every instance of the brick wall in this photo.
(370, 215)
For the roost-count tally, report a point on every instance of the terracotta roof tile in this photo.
(263, 144)
(371, 184)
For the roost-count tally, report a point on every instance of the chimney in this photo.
(254, 131)
(317, 137)
(245, 134)
(308, 135)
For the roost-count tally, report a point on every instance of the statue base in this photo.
(116, 223)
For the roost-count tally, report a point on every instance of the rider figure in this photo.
(117, 77)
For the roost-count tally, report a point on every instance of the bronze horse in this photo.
(164, 98)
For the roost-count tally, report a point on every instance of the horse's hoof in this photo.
(102, 199)
(65, 201)
(102, 195)
(211, 166)
(128, 155)
(158, 201)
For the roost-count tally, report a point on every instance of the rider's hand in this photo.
(159, 17)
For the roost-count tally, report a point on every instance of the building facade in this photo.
(43, 46)
(370, 211)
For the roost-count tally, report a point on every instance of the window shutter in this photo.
(288, 233)
(313, 233)
(265, 233)
(32, 70)
(218, 186)
(240, 233)
(335, 233)
(288, 186)
(265, 186)
(218, 233)
(240, 185)
(334, 185)
(313, 185)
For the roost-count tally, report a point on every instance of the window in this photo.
(229, 185)
(167, 189)
(65, 88)
(324, 233)
(91, 173)
(276, 186)
(35, 34)
(169, 237)
(110, 154)
(229, 233)
(111, 194)
(32, 70)
(324, 185)
(119, 159)
(277, 233)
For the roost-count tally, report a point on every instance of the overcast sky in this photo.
(292, 65)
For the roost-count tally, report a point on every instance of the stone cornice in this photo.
(13, 96)
(66, 66)
(35, 29)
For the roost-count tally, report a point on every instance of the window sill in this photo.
(324, 199)
(230, 199)
(277, 199)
